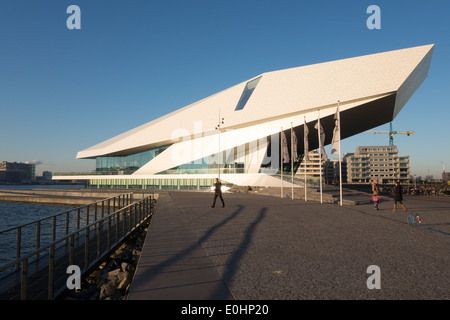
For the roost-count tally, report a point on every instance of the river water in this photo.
(13, 214)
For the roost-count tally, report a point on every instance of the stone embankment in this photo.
(111, 280)
(330, 194)
(72, 197)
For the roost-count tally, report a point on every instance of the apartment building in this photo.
(377, 162)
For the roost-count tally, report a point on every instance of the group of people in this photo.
(428, 191)
(398, 195)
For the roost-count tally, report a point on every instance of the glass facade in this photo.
(112, 165)
(231, 161)
(249, 88)
(170, 184)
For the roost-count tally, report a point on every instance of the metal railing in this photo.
(72, 219)
(82, 247)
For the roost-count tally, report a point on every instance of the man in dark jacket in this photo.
(398, 197)
(218, 193)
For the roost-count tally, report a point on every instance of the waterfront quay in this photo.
(64, 196)
(264, 247)
(261, 247)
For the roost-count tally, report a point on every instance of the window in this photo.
(249, 88)
(126, 164)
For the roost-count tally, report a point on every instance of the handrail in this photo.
(125, 198)
(63, 212)
(142, 210)
(76, 232)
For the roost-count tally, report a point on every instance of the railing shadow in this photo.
(238, 254)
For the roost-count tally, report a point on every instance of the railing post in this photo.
(38, 237)
(117, 226)
(108, 234)
(51, 271)
(53, 228)
(71, 250)
(99, 232)
(18, 241)
(67, 223)
(78, 218)
(78, 226)
(24, 280)
(130, 212)
(86, 249)
(87, 215)
(124, 219)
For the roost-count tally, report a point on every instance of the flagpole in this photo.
(305, 156)
(292, 164)
(281, 161)
(320, 154)
(306, 197)
(340, 161)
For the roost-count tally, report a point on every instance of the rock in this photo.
(113, 274)
(124, 283)
(109, 291)
(124, 266)
(112, 279)
(90, 293)
(122, 275)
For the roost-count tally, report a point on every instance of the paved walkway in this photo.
(264, 247)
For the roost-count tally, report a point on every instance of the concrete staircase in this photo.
(330, 194)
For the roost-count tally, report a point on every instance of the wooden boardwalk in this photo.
(173, 265)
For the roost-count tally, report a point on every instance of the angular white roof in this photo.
(283, 94)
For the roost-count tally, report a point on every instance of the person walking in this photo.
(398, 197)
(375, 194)
(218, 193)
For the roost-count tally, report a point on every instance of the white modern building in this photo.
(235, 134)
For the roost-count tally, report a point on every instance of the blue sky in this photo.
(62, 90)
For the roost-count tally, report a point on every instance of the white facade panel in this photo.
(278, 93)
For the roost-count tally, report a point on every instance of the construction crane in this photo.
(391, 133)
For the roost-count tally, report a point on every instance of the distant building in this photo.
(313, 168)
(14, 172)
(336, 170)
(47, 175)
(377, 162)
(446, 178)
